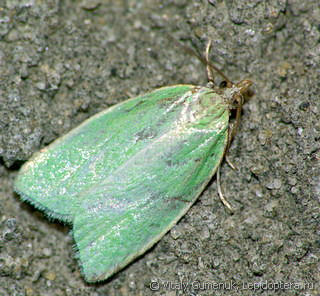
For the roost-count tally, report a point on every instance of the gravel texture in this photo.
(63, 61)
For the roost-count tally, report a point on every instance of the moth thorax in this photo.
(205, 107)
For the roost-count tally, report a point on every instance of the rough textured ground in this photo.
(63, 61)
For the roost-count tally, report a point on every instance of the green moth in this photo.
(125, 176)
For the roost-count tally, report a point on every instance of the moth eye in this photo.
(223, 84)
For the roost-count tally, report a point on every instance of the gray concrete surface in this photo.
(63, 61)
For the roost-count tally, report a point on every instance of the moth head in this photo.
(233, 93)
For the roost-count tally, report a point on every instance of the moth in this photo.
(125, 176)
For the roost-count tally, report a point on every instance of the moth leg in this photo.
(243, 85)
(229, 162)
(224, 201)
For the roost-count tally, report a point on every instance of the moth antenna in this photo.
(202, 60)
(209, 69)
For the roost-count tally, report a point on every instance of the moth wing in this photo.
(128, 212)
(53, 179)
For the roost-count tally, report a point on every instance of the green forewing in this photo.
(127, 175)
(53, 179)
